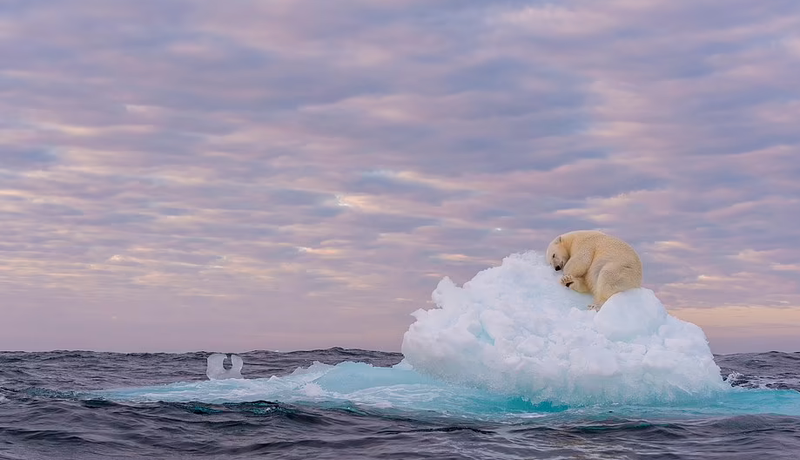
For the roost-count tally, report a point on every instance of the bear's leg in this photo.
(601, 295)
(578, 264)
(609, 282)
(577, 284)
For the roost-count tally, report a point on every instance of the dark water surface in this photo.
(42, 416)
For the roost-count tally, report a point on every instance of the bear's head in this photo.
(557, 254)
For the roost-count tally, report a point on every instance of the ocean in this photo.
(510, 365)
(90, 405)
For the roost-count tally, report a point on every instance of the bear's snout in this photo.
(558, 268)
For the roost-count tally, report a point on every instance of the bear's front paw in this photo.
(567, 280)
(594, 307)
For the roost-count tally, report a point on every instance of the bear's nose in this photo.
(558, 268)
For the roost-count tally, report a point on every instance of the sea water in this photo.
(52, 406)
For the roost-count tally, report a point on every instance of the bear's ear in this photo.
(558, 240)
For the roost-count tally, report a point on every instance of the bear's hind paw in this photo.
(594, 307)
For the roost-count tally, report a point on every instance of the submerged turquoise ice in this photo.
(402, 391)
(513, 343)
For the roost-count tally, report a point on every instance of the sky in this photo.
(184, 175)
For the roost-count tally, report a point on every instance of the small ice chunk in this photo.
(215, 369)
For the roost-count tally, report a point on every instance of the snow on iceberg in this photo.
(514, 329)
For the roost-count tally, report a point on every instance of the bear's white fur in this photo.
(595, 263)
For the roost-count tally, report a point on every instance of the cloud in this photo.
(262, 177)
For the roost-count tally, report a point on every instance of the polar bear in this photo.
(595, 263)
